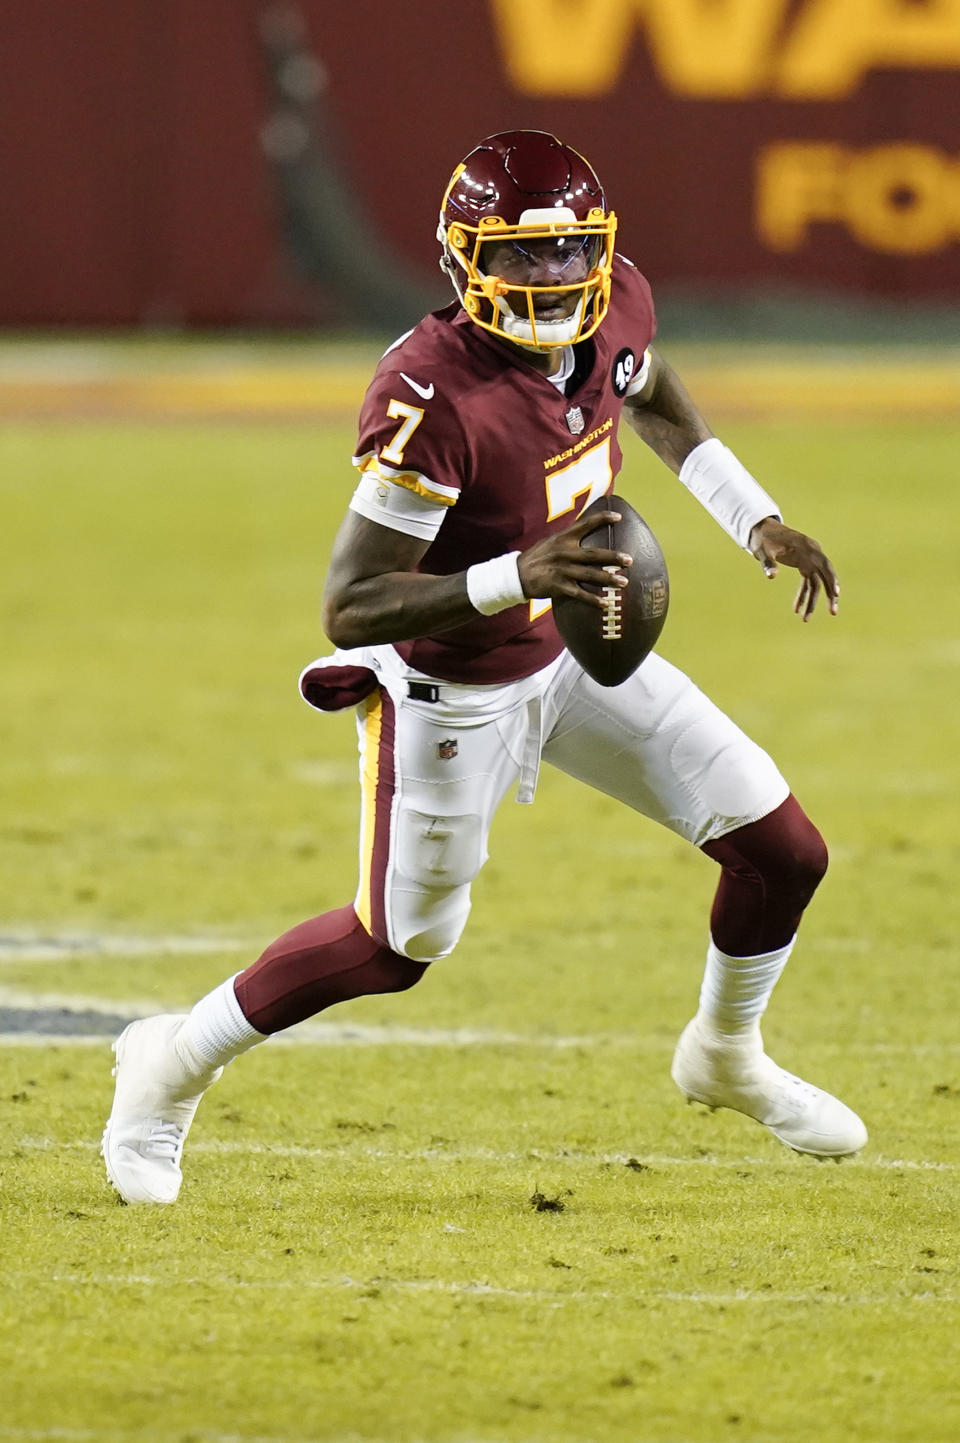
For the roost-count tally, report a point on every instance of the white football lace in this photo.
(794, 1091)
(164, 1141)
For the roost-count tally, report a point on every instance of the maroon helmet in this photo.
(516, 199)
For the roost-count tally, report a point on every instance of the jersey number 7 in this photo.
(590, 476)
(412, 416)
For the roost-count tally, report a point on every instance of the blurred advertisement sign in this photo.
(901, 197)
(249, 161)
(725, 49)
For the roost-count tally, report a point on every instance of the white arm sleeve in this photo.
(713, 474)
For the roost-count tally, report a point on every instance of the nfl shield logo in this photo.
(446, 749)
(575, 420)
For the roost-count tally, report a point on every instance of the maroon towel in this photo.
(331, 688)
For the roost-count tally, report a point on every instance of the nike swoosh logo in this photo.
(425, 391)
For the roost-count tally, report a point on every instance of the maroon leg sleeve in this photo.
(770, 870)
(326, 960)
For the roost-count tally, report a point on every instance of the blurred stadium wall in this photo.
(776, 164)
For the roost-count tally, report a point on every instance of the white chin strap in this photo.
(552, 333)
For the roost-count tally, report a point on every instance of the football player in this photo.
(484, 433)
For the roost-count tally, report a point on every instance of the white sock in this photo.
(216, 1031)
(736, 990)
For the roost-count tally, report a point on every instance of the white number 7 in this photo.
(412, 415)
(590, 476)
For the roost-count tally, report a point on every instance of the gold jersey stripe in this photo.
(410, 481)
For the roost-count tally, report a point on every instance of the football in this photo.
(610, 644)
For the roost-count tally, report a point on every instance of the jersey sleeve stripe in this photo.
(391, 504)
(435, 491)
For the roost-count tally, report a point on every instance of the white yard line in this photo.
(199, 1435)
(34, 942)
(161, 1434)
(478, 1288)
(37, 944)
(356, 1034)
(54, 1039)
(332, 1035)
(532, 1156)
(30, 1000)
(321, 1033)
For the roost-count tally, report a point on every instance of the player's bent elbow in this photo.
(339, 623)
(344, 638)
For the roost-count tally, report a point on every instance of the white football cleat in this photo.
(720, 1072)
(154, 1104)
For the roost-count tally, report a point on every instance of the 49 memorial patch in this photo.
(624, 365)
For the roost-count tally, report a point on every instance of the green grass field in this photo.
(357, 1256)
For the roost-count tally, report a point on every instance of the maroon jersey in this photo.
(468, 424)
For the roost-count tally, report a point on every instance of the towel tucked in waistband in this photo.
(331, 688)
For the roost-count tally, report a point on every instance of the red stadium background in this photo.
(239, 163)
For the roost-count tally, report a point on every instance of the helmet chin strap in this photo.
(450, 268)
(560, 333)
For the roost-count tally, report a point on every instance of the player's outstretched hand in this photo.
(559, 566)
(775, 545)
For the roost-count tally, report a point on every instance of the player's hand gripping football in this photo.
(775, 545)
(559, 566)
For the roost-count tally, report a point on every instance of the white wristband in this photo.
(494, 585)
(713, 474)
